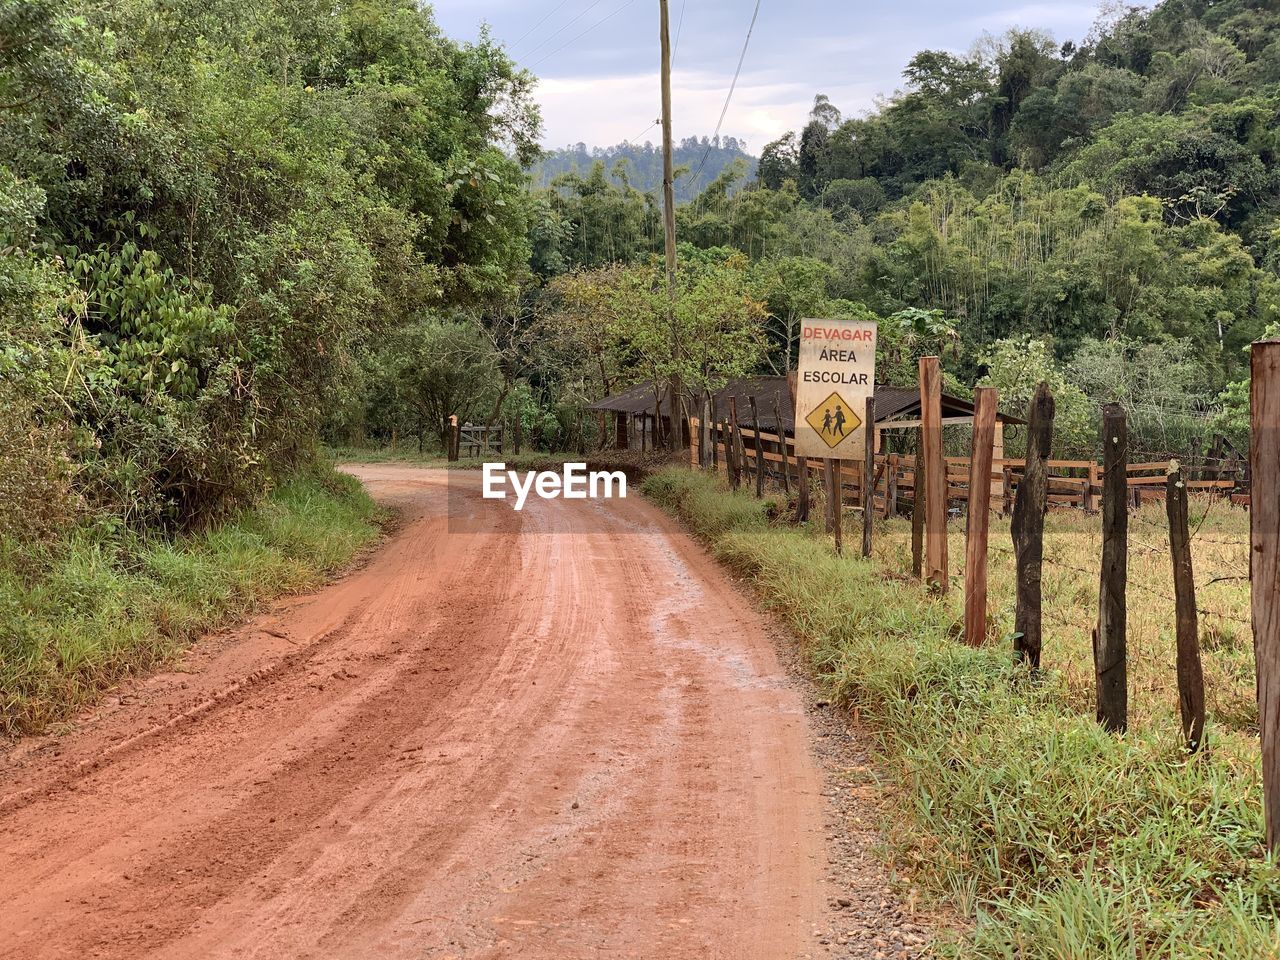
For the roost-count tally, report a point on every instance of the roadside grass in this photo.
(1061, 842)
(78, 616)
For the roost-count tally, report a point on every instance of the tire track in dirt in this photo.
(566, 736)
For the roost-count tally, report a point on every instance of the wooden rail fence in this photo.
(1071, 483)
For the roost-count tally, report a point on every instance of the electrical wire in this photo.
(544, 19)
(563, 27)
(732, 86)
(582, 34)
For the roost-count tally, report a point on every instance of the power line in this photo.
(544, 19)
(563, 27)
(582, 34)
(679, 28)
(742, 57)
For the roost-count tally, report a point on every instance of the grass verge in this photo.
(78, 616)
(1060, 841)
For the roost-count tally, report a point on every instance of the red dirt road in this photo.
(519, 744)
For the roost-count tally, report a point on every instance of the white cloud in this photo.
(609, 109)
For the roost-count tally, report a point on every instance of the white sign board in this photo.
(836, 375)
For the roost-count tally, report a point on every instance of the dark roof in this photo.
(900, 403)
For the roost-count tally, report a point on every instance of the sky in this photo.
(597, 60)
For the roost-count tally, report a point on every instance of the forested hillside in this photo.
(1101, 213)
(698, 161)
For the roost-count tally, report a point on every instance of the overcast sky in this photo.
(597, 60)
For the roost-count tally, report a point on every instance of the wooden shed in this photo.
(637, 411)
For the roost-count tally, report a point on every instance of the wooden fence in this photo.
(884, 483)
(1071, 483)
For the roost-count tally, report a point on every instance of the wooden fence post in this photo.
(917, 509)
(1190, 672)
(1109, 653)
(739, 449)
(455, 439)
(1092, 481)
(979, 519)
(731, 446)
(868, 476)
(826, 488)
(782, 445)
(1029, 509)
(802, 478)
(935, 469)
(755, 428)
(837, 504)
(891, 488)
(1264, 568)
(1006, 490)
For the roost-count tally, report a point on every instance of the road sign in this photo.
(836, 375)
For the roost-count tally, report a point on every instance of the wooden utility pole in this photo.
(978, 521)
(1027, 528)
(1190, 671)
(1110, 657)
(669, 223)
(935, 469)
(868, 476)
(1264, 568)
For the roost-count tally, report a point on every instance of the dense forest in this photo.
(699, 160)
(227, 232)
(1102, 214)
(208, 211)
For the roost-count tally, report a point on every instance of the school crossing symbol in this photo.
(834, 420)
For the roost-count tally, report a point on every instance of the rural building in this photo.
(636, 410)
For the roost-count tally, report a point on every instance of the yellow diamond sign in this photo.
(833, 420)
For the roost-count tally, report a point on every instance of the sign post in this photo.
(836, 376)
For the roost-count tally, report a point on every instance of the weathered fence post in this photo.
(802, 478)
(739, 448)
(755, 428)
(935, 469)
(918, 494)
(1190, 672)
(891, 488)
(782, 445)
(1029, 509)
(1109, 653)
(731, 446)
(455, 439)
(1264, 568)
(837, 504)
(1092, 481)
(979, 519)
(1006, 490)
(868, 476)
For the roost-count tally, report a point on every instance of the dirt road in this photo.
(522, 744)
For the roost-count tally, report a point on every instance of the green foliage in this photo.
(1016, 367)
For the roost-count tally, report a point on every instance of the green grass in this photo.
(1059, 841)
(77, 617)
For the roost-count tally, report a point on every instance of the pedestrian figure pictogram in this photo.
(834, 420)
